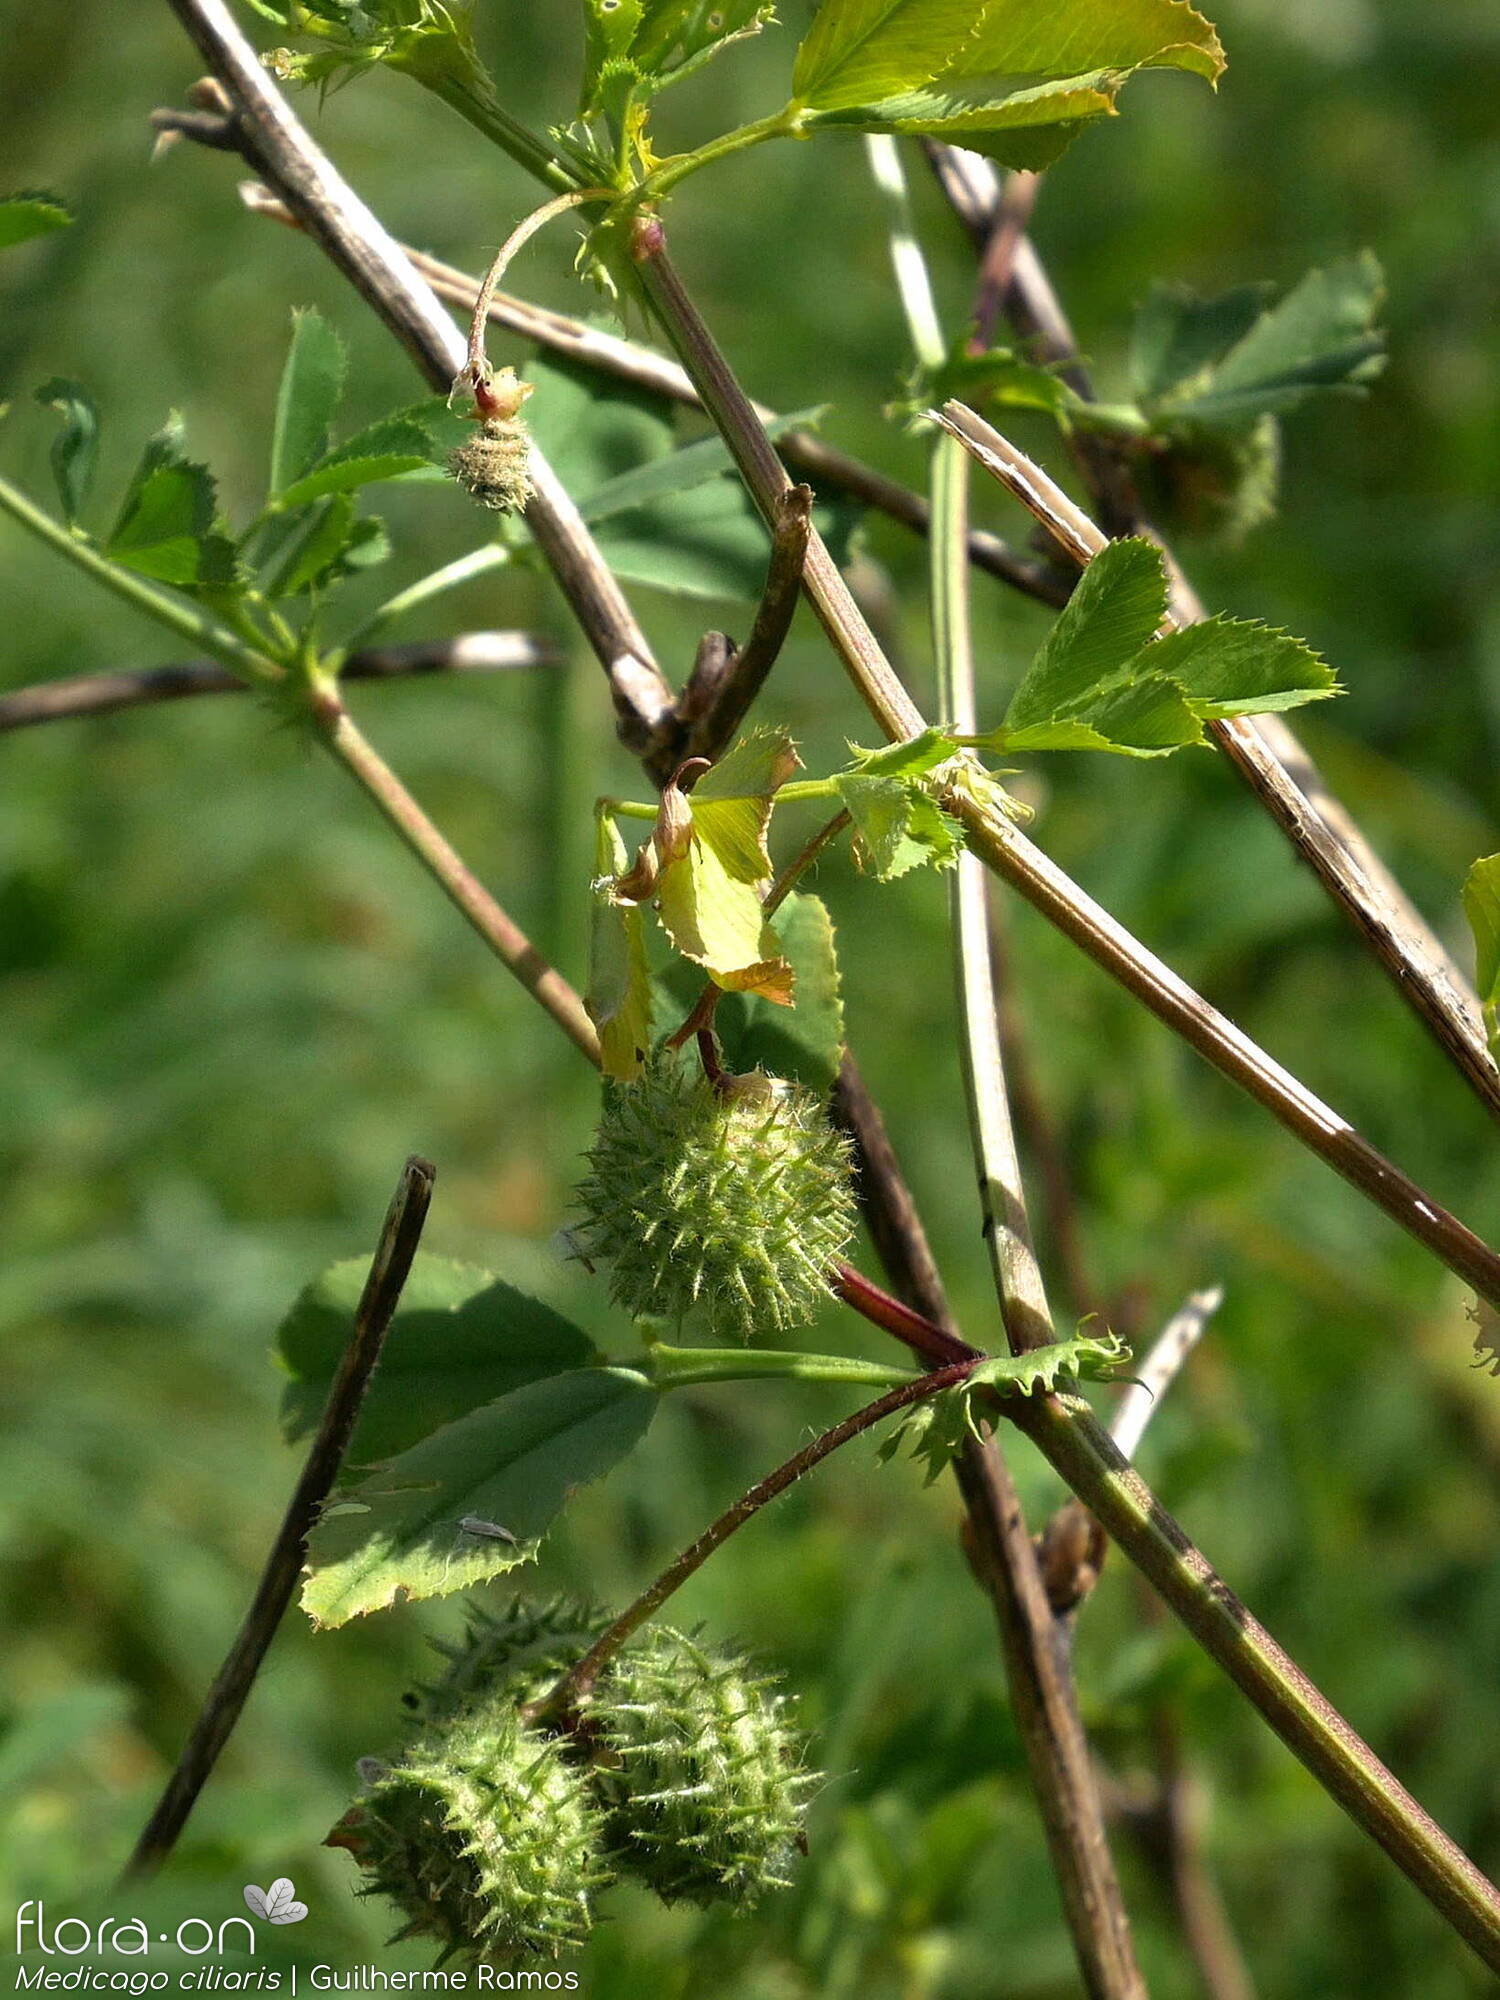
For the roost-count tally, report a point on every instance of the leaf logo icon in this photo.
(278, 1904)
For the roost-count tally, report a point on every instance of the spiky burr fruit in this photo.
(729, 1199)
(701, 1775)
(484, 1837)
(522, 1650)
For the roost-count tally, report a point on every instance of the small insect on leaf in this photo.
(486, 1531)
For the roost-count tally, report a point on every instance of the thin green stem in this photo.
(780, 125)
(486, 115)
(187, 620)
(463, 569)
(684, 1367)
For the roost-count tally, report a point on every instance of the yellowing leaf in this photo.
(718, 922)
(619, 989)
(732, 802)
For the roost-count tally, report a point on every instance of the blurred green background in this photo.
(232, 1006)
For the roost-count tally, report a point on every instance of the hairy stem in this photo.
(397, 1246)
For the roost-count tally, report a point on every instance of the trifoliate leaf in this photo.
(512, 1463)
(460, 1337)
(23, 216)
(1482, 907)
(657, 42)
(75, 450)
(732, 801)
(1014, 81)
(1120, 601)
(619, 988)
(307, 400)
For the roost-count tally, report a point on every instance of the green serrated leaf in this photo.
(23, 216)
(806, 1040)
(676, 36)
(609, 29)
(619, 986)
(168, 522)
(1321, 336)
(731, 803)
(307, 400)
(331, 542)
(1120, 601)
(514, 1463)
(935, 1431)
(897, 826)
(1012, 81)
(75, 449)
(1230, 666)
(393, 449)
(1482, 908)
(460, 1337)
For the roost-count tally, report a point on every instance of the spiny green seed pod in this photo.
(700, 1772)
(484, 1837)
(733, 1202)
(520, 1651)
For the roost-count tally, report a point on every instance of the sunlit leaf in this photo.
(897, 826)
(806, 1040)
(732, 801)
(1013, 80)
(513, 1462)
(1230, 666)
(619, 988)
(1120, 600)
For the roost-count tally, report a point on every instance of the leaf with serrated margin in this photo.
(1009, 79)
(24, 216)
(1232, 666)
(461, 1337)
(307, 399)
(1176, 333)
(619, 987)
(1482, 908)
(719, 924)
(913, 757)
(732, 801)
(1119, 602)
(897, 827)
(167, 526)
(513, 1462)
(75, 449)
(806, 1040)
(609, 29)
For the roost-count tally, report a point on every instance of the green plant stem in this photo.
(197, 626)
(685, 1367)
(1002, 846)
(463, 569)
(574, 1685)
(1065, 1430)
(781, 124)
(343, 739)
